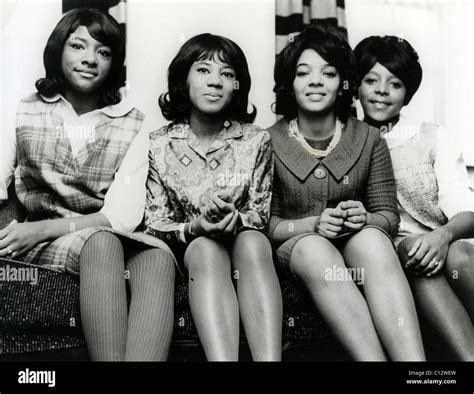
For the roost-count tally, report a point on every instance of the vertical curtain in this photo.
(116, 8)
(292, 16)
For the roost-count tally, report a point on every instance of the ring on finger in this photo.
(434, 261)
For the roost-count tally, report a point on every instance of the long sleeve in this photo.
(8, 154)
(381, 197)
(160, 218)
(124, 202)
(276, 210)
(454, 195)
(255, 211)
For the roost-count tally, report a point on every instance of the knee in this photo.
(251, 239)
(372, 238)
(156, 257)
(460, 258)
(101, 242)
(312, 256)
(202, 256)
(375, 251)
(251, 249)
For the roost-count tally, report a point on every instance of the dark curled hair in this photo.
(103, 28)
(175, 104)
(395, 54)
(331, 44)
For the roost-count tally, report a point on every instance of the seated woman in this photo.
(433, 192)
(80, 167)
(209, 193)
(334, 202)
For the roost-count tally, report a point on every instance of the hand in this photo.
(18, 238)
(221, 206)
(356, 214)
(227, 226)
(428, 253)
(330, 222)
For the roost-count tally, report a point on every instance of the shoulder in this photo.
(136, 114)
(363, 130)
(254, 132)
(32, 98)
(31, 101)
(160, 136)
(278, 128)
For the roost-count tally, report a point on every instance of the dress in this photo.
(431, 176)
(54, 179)
(359, 168)
(183, 178)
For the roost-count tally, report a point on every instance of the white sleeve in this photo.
(124, 202)
(7, 152)
(451, 172)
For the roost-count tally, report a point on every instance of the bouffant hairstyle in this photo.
(331, 44)
(395, 54)
(103, 28)
(175, 104)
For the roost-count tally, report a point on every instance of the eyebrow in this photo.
(307, 65)
(73, 37)
(392, 76)
(207, 63)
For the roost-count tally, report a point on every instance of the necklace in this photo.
(295, 133)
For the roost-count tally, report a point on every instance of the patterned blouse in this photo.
(183, 178)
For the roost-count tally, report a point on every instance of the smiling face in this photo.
(316, 83)
(211, 86)
(381, 94)
(85, 62)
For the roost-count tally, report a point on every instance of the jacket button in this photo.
(319, 173)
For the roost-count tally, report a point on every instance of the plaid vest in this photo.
(52, 183)
(417, 187)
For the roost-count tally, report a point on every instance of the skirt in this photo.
(284, 251)
(63, 254)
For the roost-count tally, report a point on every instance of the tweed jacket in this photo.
(359, 168)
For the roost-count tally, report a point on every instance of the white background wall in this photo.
(440, 30)
(157, 29)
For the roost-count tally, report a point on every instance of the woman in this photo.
(433, 192)
(209, 192)
(334, 202)
(80, 149)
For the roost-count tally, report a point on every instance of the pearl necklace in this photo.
(295, 133)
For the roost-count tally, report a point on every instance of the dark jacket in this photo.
(359, 168)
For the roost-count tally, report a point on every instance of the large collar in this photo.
(229, 130)
(338, 162)
(113, 111)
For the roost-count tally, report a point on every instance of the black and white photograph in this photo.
(186, 182)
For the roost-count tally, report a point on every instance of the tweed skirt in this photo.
(63, 253)
(284, 251)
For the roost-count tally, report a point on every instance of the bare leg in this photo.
(387, 292)
(259, 294)
(212, 299)
(340, 302)
(460, 273)
(150, 319)
(440, 306)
